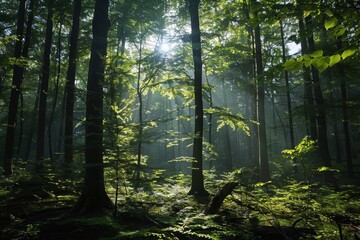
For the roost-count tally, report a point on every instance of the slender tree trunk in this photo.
(56, 93)
(228, 155)
(197, 180)
(253, 141)
(70, 84)
(263, 151)
(40, 143)
(140, 133)
(288, 95)
(321, 116)
(310, 118)
(210, 122)
(93, 198)
(21, 125)
(31, 130)
(346, 126)
(25, 53)
(15, 90)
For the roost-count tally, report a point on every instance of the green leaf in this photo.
(326, 169)
(347, 53)
(340, 31)
(292, 65)
(330, 23)
(321, 63)
(307, 62)
(289, 64)
(317, 53)
(334, 59)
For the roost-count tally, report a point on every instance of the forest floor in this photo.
(39, 209)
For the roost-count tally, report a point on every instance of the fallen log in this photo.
(216, 202)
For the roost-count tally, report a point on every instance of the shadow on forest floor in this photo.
(38, 209)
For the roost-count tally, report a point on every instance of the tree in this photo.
(70, 83)
(263, 152)
(288, 96)
(15, 91)
(320, 117)
(44, 79)
(197, 181)
(93, 198)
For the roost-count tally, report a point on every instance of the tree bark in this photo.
(25, 53)
(197, 180)
(308, 87)
(94, 199)
(321, 116)
(263, 151)
(346, 126)
(15, 91)
(70, 84)
(216, 202)
(40, 143)
(288, 95)
(56, 92)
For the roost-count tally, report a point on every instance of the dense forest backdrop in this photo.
(114, 103)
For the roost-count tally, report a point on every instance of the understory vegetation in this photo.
(39, 206)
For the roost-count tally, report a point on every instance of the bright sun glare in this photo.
(165, 47)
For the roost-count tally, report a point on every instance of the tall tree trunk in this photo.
(25, 53)
(197, 180)
(31, 130)
(228, 164)
(210, 122)
(40, 143)
(263, 151)
(321, 116)
(93, 198)
(56, 92)
(253, 141)
(288, 95)
(70, 84)
(310, 118)
(140, 98)
(346, 126)
(15, 90)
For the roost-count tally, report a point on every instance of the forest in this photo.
(180, 119)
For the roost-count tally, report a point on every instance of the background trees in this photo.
(170, 93)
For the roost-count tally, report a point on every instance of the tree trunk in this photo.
(308, 87)
(140, 98)
(228, 164)
(31, 130)
(56, 92)
(321, 117)
(197, 181)
(70, 84)
(216, 202)
(346, 126)
(15, 90)
(288, 96)
(25, 53)
(94, 199)
(40, 143)
(263, 152)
